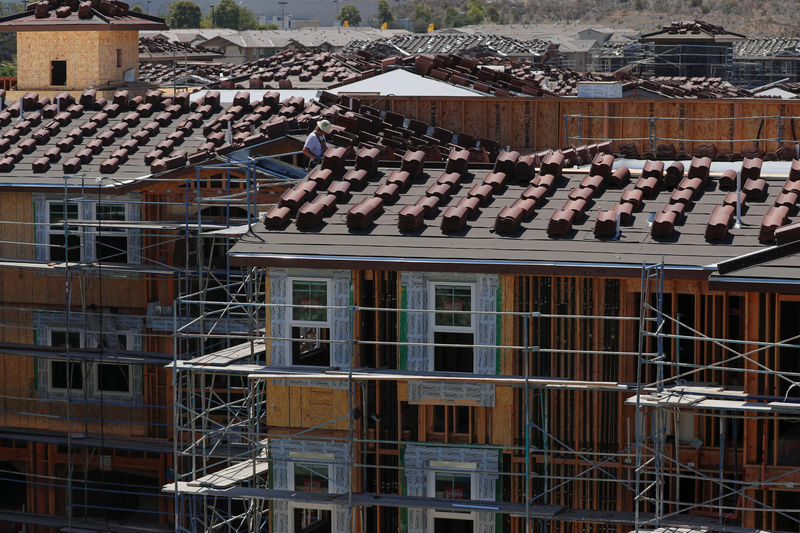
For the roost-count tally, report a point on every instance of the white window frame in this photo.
(50, 230)
(433, 328)
(97, 232)
(456, 467)
(318, 458)
(88, 235)
(292, 323)
(89, 368)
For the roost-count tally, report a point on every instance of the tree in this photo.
(248, 20)
(493, 14)
(271, 27)
(349, 14)
(422, 18)
(137, 8)
(228, 15)
(9, 68)
(384, 12)
(475, 12)
(183, 14)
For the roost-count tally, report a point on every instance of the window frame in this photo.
(454, 467)
(310, 458)
(433, 328)
(291, 323)
(51, 230)
(89, 369)
(88, 235)
(98, 231)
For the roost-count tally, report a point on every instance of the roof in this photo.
(763, 48)
(546, 31)
(297, 68)
(456, 43)
(160, 47)
(401, 82)
(692, 30)
(111, 143)
(70, 16)
(577, 45)
(506, 218)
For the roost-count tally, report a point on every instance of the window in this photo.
(58, 73)
(64, 243)
(66, 374)
(311, 473)
(111, 244)
(113, 377)
(108, 243)
(106, 377)
(310, 477)
(452, 480)
(453, 328)
(119, 58)
(450, 423)
(309, 322)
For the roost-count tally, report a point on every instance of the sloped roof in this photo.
(455, 43)
(371, 223)
(132, 138)
(692, 30)
(762, 48)
(404, 83)
(66, 16)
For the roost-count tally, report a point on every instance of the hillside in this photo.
(754, 18)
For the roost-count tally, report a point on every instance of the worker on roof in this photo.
(315, 144)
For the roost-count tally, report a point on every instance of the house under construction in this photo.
(465, 347)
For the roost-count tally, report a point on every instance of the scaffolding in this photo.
(86, 400)
(234, 465)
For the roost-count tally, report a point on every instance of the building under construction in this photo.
(468, 347)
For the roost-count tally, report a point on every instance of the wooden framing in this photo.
(584, 426)
(526, 123)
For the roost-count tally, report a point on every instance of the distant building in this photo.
(61, 48)
(692, 48)
(762, 61)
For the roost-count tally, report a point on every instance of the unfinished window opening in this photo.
(310, 322)
(113, 378)
(133, 498)
(789, 362)
(119, 58)
(788, 519)
(453, 328)
(13, 491)
(450, 423)
(735, 330)
(685, 348)
(58, 73)
(308, 520)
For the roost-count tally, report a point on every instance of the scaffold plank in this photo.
(231, 354)
(232, 475)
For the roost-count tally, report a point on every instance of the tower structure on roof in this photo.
(67, 45)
